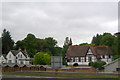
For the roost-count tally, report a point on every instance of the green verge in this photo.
(60, 75)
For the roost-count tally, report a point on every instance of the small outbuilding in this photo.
(114, 66)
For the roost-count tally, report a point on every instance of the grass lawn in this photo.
(59, 75)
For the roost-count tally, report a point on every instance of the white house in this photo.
(3, 59)
(84, 54)
(16, 57)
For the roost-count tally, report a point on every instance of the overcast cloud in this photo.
(80, 21)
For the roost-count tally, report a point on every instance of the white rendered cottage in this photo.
(84, 54)
(3, 59)
(16, 57)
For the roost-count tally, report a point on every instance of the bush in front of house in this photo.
(98, 64)
(65, 63)
(90, 63)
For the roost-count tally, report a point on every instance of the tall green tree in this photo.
(7, 42)
(51, 44)
(19, 44)
(86, 44)
(65, 46)
(109, 40)
(96, 40)
(30, 43)
(41, 45)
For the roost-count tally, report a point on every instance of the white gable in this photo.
(89, 51)
(2, 59)
(20, 55)
(10, 55)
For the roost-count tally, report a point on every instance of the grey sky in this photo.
(80, 21)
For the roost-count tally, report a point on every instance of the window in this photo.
(71, 59)
(10, 61)
(76, 59)
(9, 56)
(90, 59)
(18, 55)
(21, 55)
(109, 56)
(21, 62)
(82, 59)
(15, 61)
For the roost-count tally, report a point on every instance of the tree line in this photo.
(107, 39)
(49, 45)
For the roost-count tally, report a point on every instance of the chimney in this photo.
(25, 50)
(19, 49)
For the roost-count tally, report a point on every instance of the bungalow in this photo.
(84, 54)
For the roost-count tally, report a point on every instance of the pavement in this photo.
(13, 77)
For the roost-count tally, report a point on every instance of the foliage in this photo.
(30, 44)
(51, 44)
(85, 44)
(7, 42)
(98, 64)
(90, 63)
(65, 46)
(109, 40)
(65, 63)
(42, 58)
(34, 45)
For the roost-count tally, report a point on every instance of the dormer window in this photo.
(9, 56)
(21, 55)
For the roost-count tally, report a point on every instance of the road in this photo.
(46, 78)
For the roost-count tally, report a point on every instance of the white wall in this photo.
(23, 57)
(2, 59)
(89, 54)
(106, 59)
(17, 58)
(12, 58)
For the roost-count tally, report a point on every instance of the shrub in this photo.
(90, 63)
(98, 64)
(42, 58)
(65, 63)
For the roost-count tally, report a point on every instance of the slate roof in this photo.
(15, 52)
(117, 60)
(83, 49)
